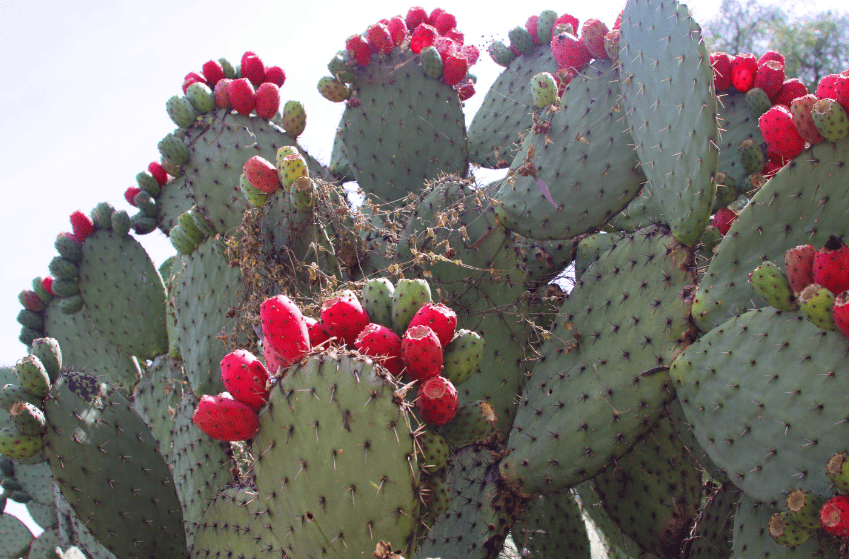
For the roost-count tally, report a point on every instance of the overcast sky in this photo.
(84, 88)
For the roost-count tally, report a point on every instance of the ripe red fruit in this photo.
(791, 89)
(253, 68)
(770, 78)
(242, 96)
(826, 89)
(158, 172)
(571, 20)
(245, 378)
(267, 100)
(358, 49)
(437, 401)
(439, 318)
(834, 516)
(771, 55)
(379, 39)
(378, 341)
(275, 75)
(799, 264)
(130, 195)
(569, 52)
(261, 173)
(397, 29)
(721, 63)
(223, 418)
(415, 17)
(445, 46)
(285, 336)
(82, 225)
(47, 284)
(723, 218)
(531, 26)
(434, 15)
(465, 90)
(74, 239)
(454, 69)
(344, 317)
(192, 77)
(831, 265)
(456, 36)
(592, 35)
(841, 313)
(779, 133)
(744, 67)
(424, 36)
(222, 94)
(213, 72)
(471, 53)
(31, 302)
(317, 332)
(841, 92)
(421, 353)
(445, 22)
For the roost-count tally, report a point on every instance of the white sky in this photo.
(85, 83)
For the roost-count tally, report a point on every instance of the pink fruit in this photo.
(358, 49)
(840, 310)
(434, 15)
(439, 318)
(222, 94)
(437, 401)
(831, 265)
(285, 336)
(569, 52)
(421, 353)
(317, 332)
(223, 418)
(253, 68)
(841, 92)
(267, 100)
(779, 133)
(445, 46)
(826, 87)
(261, 173)
(245, 378)
(397, 29)
(213, 72)
(791, 89)
(571, 20)
(723, 218)
(456, 36)
(531, 26)
(82, 225)
(47, 284)
(770, 78)
(275, 75)
(799, 264)
(721, 63)
(31, 302)
(834, 516)
(379, 39)
(471, 53)
(744, 67)
(415, 17)
(771, 55)
(383, 344)
(801, 108)
(344, 317)
(424, 36)
(158, 172)
(454, 69)
(242, 96)
(445, 22)
(130, 195)
(192, 77)
(592, 35)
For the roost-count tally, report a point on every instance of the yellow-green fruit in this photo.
(816, 303)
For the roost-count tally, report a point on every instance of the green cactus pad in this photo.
(671, 111)
(406, 130)
(124, 295)
(37, 481)
(542, 261)
(15, 537)
(49, 353)
(583, 157)
(496, 130)
(107, 466)
(757, 390)
(335, 460)
(652, 493)
(553, 526)
(715, 524)
(802, 204)
(204, 285)
(602, 377)
(84, 347)
(615, 543)
(236, 524)
(156, 396)
(340, 167)
(174, 200)
(43, 515)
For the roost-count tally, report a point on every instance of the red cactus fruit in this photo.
(791, 89)
(779, 133)
(223, 418)
(245, 378)
(130, 195)
(317, 332)
(770, 78)
(444, 46)
(383, 345)
(437, 401)
(456, 36)
(831, 265)
(840, 310)
(421, 353)
(192, 77)
(424, 36)
(74, 239)
(358, 49)
(242, 96)
(213, 72)
(723, 218)
(434, 15)
(721, 63)
(771, 55)
(222, 94)
(569, 52)
(415, 17)
(454, 69)
(158, 172)
(397, 29)
(253, 68)
(261, 173)
(439, 318)
(267, 100)
(618, 21)
(444, 23)
(841, 92)
(379, 39)
(47, 284)
(30, 301)
(471, 53)
(275, 75)
(826, 89)
(799, 264)
(82, 225)
(834, 516)
(465, 89)
(285, 336)
(592, 35)
(744, 67)
(571, 20)
(531, 27)
(801, 108)
(344, 317)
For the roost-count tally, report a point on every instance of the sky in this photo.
(85, 84)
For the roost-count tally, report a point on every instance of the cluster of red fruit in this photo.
(257, 90)
(159, 174)
(288, 336)
(820, 277)
(573, 51)
(437, 29)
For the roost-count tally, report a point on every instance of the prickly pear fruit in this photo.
(294, 118)
(569, 52)
(17, 445)
(721, 63)
(397, 29)
(432, 62)
(521, 40)
(841, 313)
(545, 26)
(201, 98)
(382, 344)
(245, 378)
(48, 352)
(752, 155)
(779, 133)
(180, 111)
(317, 332)
(830, 119)
(253, 68)
(723, 219)
(770, 78)
(500, 53)
(791, 89)
(421, 352)
(409, 296)
(462, 356)
(454, 69)
(799, 264)
(379, 39)
(290, 166)
(837, 470)
(611, 44)
(359, 50)
(32, 376)
(377, 301)
(803, 508)
(242, 96)
(786, 532)
(27, 418)
(543, 90)
(82, 225)
(592, 35)
(223, 418)
(831, 265)
(333, 90)
(439, 318)
(285, 336)
(757, 101)
(771, 285)
(744, 67)
(802, 108)
(437, 401)
(192, 77)
(834, 516)
(261, 174)
(344, 317)
(255, 197)
(275, 75)
(222, 94)
(213, 72)
(816, 303)
(267, 100)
